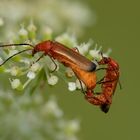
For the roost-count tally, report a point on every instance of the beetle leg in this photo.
(38, 59)
(101, 69)
(82, 89)
(54, 64)
(100, 81)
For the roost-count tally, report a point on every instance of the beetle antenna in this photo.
(14, 56)
(20, 44)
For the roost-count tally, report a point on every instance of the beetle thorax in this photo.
(43, 47)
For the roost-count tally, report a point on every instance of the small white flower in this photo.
(96, 53)
(15, 83)
(35, 67)
(1, 21)
(52, 80)
(84, 47)
(71, 86)
(23, 31)
(31, 27)
(31, 75)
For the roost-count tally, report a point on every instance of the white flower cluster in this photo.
(32, 71)
(33, 118)
(54, 13)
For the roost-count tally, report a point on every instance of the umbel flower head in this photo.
(59, 15)
(34, 118)
(23, 71)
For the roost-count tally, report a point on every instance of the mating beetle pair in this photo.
(84, 69)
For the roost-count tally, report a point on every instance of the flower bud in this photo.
(52, 80)
(31, 75)
(71, 86)
(15, 83)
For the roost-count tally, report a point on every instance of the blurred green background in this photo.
(117, 27)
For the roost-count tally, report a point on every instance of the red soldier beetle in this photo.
(108, 85)
(64, 55)
(59, 52)
(83, 68)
